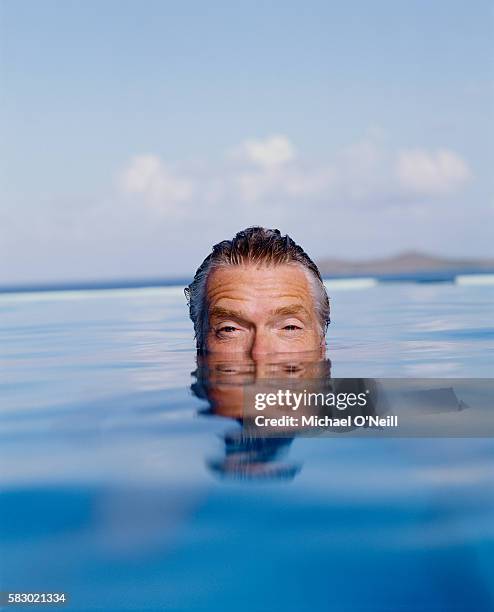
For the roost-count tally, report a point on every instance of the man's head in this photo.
(259, 293)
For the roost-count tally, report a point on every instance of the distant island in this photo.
(408, 263)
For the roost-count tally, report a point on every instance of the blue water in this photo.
(109, 491)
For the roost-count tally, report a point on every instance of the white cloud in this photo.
(268, 153)
(280, 184)
(161, 187)
(431, 173)
(268, 174)
(269, 171)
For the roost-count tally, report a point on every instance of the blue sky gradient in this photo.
(136, 134)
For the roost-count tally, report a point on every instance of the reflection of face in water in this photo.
(222, 382)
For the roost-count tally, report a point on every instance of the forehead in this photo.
(259, 285)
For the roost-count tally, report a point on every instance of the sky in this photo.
(137, 134)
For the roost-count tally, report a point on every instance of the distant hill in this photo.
(410, 262)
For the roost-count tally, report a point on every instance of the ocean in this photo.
(118, 485)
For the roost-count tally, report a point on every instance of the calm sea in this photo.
(110, 488)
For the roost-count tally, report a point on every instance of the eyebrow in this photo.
(289, 310)
(226, 313)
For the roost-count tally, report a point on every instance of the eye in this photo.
(291, 327)
(227, 329)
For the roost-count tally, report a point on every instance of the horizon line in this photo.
(429, 276)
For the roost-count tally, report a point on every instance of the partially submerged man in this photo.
(258, 294)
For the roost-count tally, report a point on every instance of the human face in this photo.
(261, 310)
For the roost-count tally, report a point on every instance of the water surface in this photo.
(110, 484)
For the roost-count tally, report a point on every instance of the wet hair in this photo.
(259, 246)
